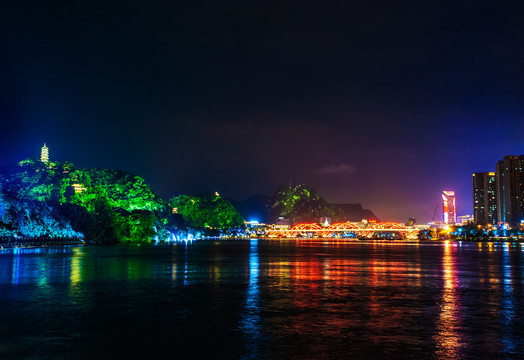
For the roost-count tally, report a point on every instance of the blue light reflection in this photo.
(508, 305)
(250, 322)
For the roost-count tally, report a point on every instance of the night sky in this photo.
(385, 103)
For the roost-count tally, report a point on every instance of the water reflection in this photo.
(186, 281)
(32, 265)
(448, 337)
(76, 267)
(508, 315)
(250, 322)
(309, 299)
(15, 270)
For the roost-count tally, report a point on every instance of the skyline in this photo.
(378, 104)
(444, 208)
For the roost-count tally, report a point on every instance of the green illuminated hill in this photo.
(57, 199)
(301, 203)
(103, 204)
(56, 183)
(207, 210)
(123, 189)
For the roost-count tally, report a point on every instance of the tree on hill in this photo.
(301, 203)
(33, 219)
(207, 210)
(125, 190)
(85, 198)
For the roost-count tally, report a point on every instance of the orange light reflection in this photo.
(448, 339)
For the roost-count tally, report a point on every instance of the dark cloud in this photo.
(337, 169)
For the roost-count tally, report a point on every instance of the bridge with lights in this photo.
(348, 229)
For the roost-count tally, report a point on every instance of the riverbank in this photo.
(32, 242)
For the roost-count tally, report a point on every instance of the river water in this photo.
(264, 299)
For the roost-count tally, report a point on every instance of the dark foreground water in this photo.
(265, 299)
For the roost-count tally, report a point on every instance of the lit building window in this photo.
(79, 188)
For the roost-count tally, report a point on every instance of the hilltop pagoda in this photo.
(44, 154)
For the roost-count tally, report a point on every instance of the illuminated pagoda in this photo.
(44, 154)
(448, 207)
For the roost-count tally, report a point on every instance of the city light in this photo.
(348, 229)
(449, 207)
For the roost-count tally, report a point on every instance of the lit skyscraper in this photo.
(510, 189)
(484, 198)
(448, 207)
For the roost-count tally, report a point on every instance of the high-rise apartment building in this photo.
(510, 189)
(448, 207)
(484, 198)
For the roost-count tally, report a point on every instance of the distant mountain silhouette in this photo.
(299, 203)
(355, 212)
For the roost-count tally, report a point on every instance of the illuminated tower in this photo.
(44, 154)
(448, 207)
(484, 198)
